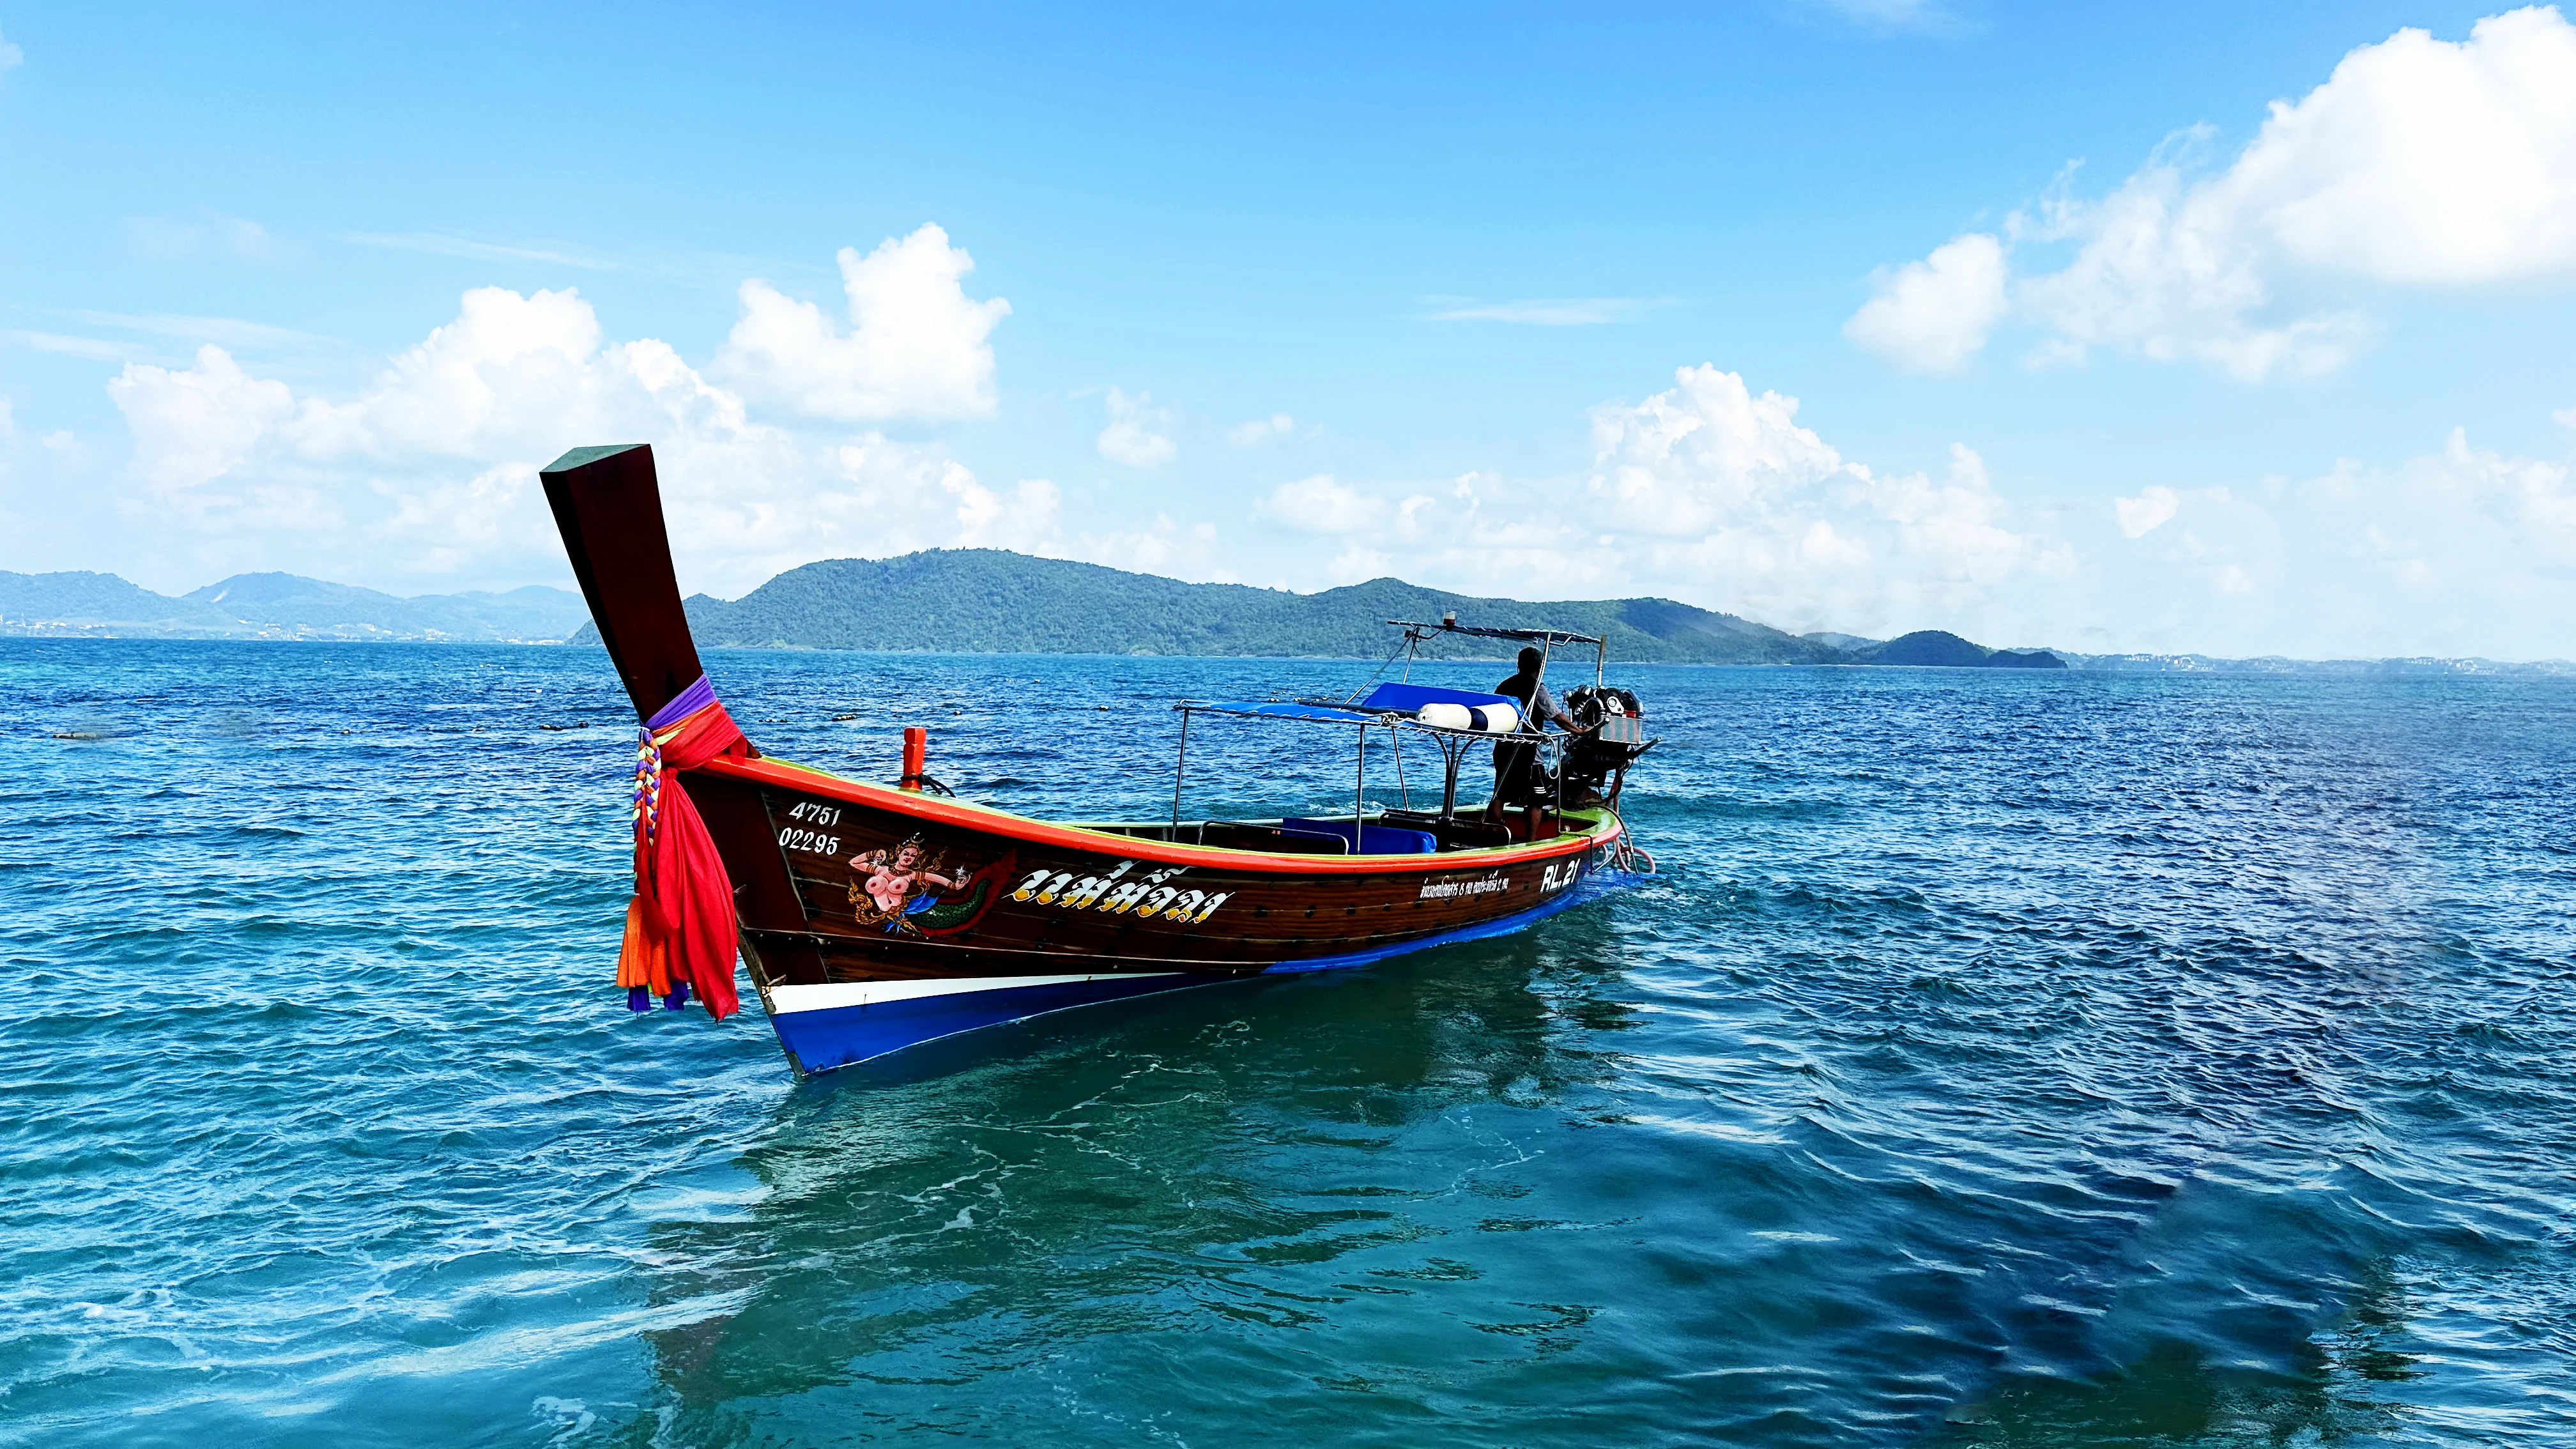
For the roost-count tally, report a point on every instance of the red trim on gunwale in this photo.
(1020, 827)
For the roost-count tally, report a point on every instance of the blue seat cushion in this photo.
(1375, 840)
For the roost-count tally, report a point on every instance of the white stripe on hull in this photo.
(787, 999)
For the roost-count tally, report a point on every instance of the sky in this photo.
(2193, 328)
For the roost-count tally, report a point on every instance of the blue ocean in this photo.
(1999, 1059)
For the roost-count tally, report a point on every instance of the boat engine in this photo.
(1610, 733)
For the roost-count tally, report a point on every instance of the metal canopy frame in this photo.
(1451, 625)
(1452, 743)
(1417, 634)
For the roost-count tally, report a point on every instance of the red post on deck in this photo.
(916, 755)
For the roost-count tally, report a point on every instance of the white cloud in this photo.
(2425, 161)
(507, 377)
(2152, 509)
(169, 238)
(444, 521)
(1707, 455)
(1892, 15)
(193, 426)
(426, 475)
(222, 331)
(2417, 163)
(1545, 311)
(916, 346)
(1952, 532)
(1261, 430)
(1712, 494)
(2159, 276)
(429, 473)
(1710, 479)
(2459, 551)
(1024, 519)
(1161, 547)
(10, 55)
(1321, 505)
(96, 349)
(1138, 433)
(1707, 491)
(1933, 315)
(438, 245)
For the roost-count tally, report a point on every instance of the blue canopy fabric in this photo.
(1379, 710)
(1408, 698)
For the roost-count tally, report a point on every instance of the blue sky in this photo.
(2029, 322)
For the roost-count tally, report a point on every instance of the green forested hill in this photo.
(991, 601)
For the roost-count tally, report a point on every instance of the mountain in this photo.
(78, 603)
(277, 606)
(290, 602)
(1942, 648)
(991, 601)
(1844, 642)
(988, 600)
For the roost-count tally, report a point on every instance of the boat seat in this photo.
(1462, 833)
(1373, 840)
(1246, 835)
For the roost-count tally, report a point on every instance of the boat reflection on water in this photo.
(1263, 1157)
(1424, 1195)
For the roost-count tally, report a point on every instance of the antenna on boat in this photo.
(608, 506)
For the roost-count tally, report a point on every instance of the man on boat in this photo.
(1516, 761)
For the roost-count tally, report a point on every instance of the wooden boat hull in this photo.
(875, 918)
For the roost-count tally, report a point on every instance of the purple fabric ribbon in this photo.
(686, 703)
(640, 998)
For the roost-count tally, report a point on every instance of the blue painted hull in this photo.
(820, 1040)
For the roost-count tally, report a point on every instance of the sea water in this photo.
(1999, 1059)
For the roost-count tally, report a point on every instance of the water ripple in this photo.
(2000, 1061)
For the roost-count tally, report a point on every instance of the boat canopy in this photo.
(1392, 703)
(1395, 694)
(1397, 706)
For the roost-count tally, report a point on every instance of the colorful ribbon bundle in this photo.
(680, 926)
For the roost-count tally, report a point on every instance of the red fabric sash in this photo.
(680, 925)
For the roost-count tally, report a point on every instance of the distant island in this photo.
(280, 606)
(979, 601)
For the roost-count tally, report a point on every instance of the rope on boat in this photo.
(1383, 665)
(1628, 852)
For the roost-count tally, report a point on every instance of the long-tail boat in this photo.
(873, 917)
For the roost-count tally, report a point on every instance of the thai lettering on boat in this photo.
(1148, 897)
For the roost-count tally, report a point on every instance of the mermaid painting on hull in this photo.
(908, 890)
